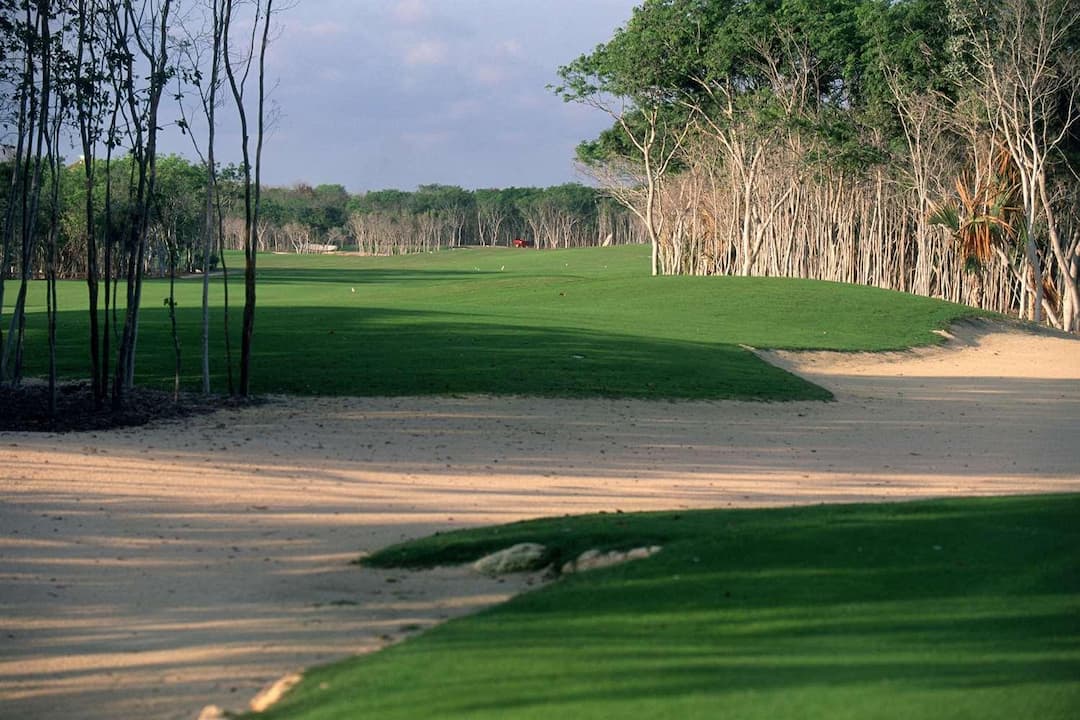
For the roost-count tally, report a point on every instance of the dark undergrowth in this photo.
(25, 408)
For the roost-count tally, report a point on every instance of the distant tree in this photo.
(493, 211)
(434, 216)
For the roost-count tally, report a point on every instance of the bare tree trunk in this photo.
(154, 49)
(30, 195)
(55, 168)
(89, 108)
(172, 249)
(109, 240)
(230, 385)
(251, 187)
(23, 129)
(210, 109)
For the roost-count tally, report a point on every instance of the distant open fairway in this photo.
(574, 323)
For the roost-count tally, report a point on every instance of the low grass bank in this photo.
(946, 609)
(575, 323)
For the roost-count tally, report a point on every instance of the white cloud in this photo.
(426, 52)
(490, 75)
(411, 12)
(394, 93)
(509, 49)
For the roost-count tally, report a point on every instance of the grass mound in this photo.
(571, 323)
(946, 609)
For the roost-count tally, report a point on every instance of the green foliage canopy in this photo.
(671, 52)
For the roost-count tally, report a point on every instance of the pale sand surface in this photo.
(145, 573)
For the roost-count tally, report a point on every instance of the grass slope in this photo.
(556, 323)
(949, 609)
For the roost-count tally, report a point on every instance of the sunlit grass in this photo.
(953, 609)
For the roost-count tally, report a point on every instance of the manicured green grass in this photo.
(556, 323)
(946, 609)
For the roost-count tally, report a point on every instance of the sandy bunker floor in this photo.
(148, 572)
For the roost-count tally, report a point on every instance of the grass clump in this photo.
(944, 609)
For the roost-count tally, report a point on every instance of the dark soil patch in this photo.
(26, 408)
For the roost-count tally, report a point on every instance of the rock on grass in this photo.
(522, 557)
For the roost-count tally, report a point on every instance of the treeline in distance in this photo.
(303, 218)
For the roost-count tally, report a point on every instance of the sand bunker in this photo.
(148, 572)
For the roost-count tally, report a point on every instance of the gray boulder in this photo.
(522, 557)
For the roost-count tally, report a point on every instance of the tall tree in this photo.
(1025, 64)
(91, 100)
(204, 50)
(145, 25)
(36, 88)
(16, 87)
(635, 78)
(238, 66)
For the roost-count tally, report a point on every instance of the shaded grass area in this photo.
(379, 352)
(944, 609)
(583, 322)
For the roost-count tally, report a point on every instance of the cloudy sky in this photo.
(395, 93)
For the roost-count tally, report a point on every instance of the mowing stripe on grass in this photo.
(945, 609)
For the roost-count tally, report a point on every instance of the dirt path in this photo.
(147, 572)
